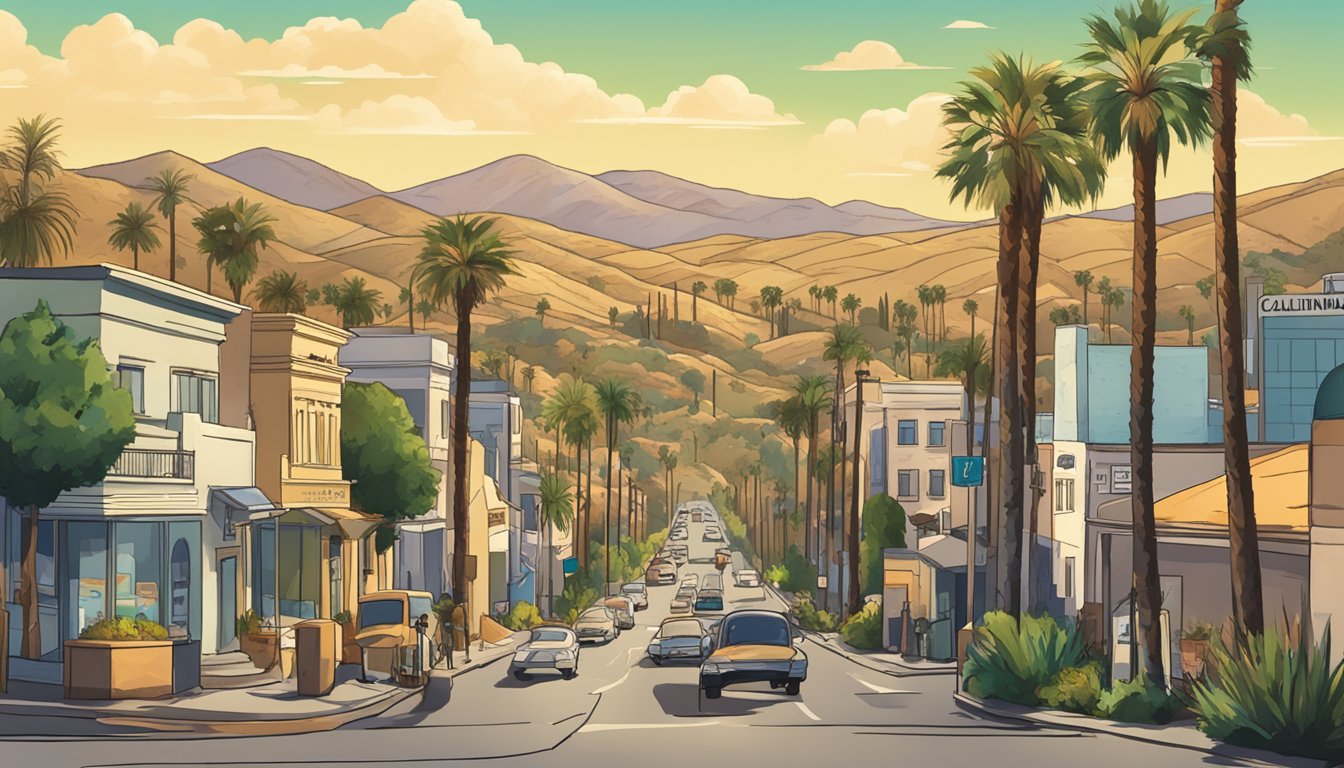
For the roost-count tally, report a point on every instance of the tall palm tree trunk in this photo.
(1029, 270)
(783, 533)
(461, 399)
(1147, 588)
(1008, 547)
(809, 549)
(1247, 599)
(135, 257)
(172, 245)
(606, 526)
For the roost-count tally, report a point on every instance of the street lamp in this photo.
(861, 376)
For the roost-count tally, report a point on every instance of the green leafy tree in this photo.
(830, 294)
(613, 314)
(407, 296)
(134, 229)
(694, 380)
(963, 361)
(312, 296)
(1187, 314)
(1083, 279)
(1065, 315)
(462, 262)
(529, 374)
(282, 291)
(355, 302)
(37, 219)
(231, 238)
(384, 455)
(883, 528)
(814, 397)
(63, 423)
(904, 315)
(169, 190)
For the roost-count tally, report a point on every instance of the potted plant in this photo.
(349, 648)
(1195, 647)
(259, 644)
(119, 658)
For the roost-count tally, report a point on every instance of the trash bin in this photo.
(317, 651)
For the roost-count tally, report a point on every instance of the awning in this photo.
(231, 506)
(353, 525)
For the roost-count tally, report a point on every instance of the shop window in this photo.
(137, 571)
(86, 564)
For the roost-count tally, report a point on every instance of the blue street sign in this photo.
(968, 471)
(570, 566)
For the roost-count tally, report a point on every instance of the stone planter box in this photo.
(110, 669)
(259, 647)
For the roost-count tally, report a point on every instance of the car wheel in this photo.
(568, 674)
(775, 684)
(792, 688)
(657, 661)
(519, 675)
(713, 693)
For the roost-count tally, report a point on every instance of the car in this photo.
(689, 580)
(681, 606)
(686, 593)
(697, 516)
(624, 608)
(679, 554)
(709, 600)
(748, 578)
(387, 628)
(637, 592)
(752, 646)
(552, 648)
(678, 534)
(711, 581)
(660, 572)
(712, 535)
(597, 624)
(678, 640)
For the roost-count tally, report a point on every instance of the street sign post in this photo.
(821, 582)
(968, 471)
(570, 566)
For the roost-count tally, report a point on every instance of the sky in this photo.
(838, 100)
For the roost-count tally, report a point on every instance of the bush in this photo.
(864, 629)
(1011, 662)
(574, 599)
(247, 624)
(1074, 689)
(810, 618)
(523, 615)
(777, 574)
(1138, 701)
(124, 629)
(343, 617)
(883, 527)
(1278, 691)
(802, 574)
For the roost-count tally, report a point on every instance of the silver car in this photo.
(678, 640)
(638, 592)
(597, 625)
(552, 649)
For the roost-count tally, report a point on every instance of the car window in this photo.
(681, 628)
(595, 614)
(420, 606)
(755, 630)
(377, 612)
(551, 636)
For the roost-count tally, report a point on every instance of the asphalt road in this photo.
(622, 710)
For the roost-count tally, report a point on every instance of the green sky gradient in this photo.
(649, 48)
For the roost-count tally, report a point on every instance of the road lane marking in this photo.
(628, 651)
(609, 686)
(810, 714)
(594, 727)
(876, 688)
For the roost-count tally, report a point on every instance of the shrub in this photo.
(810, 618)
(802, 574)
(1138, 701)
(343, 617)
(777, 574)
(1074, 689)
(248, 624)
(574, 599)
(864, 629)
(123, 629)
(523, 615)
(883, 527)
(1277, 691)
(1012, 662)
(1199, 630)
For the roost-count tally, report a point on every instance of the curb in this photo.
(894, 670)
(1085, 724)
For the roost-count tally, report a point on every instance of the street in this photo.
(622, 709)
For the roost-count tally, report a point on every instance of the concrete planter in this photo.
(349, 648)
(259, 647)
(111, 669)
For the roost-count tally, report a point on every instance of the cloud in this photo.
(722, 101)
(397, 115)
(887, 142)
(967, 24)
(367, 72)
(867, 55)
(1260, 125)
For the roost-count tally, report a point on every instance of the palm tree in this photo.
(1187, 312)
(281, 291)
(556, 512)
(231, 238)
(905, 315)
(938, 294)
(529, 374)
(970, 307)
(1145, 88)
(851, 304)
(813, 398)
(793, 418)
(814, 291)
(618, 403)
(845, 346)
(697, 288)
(169, 188)
(36, 220)
(463, 261)
(1224, 43)
(355, 302)
(772, 296)
(407, 296)
(963, 361)
(1114, 299)
(830, 294)
(1083, 279)
(564, 402)
(1103, 290)
(543, 306)
(1065, 316)
(425, 309)
(134, 229)
(730, 291)
(580, 427)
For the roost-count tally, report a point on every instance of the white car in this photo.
(680, 606)
(638, 592)
(713, 535)
(597, 625)
(748, 578)
(551, 648)
(678, 640)
(678, 534)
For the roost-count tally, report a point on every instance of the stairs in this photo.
(233, 670)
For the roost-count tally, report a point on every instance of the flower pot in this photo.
(118, 669)
(349, 648)
(1193, 654)
(260, 648)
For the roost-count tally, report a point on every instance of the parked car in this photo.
(680, 553)
(681, 606)
(751, 646)
(660, 572)
(709, 600)
(678, 534)
(678, 640)
(689, 580)
(597, 624)
(637, 592)
(748, 578)
(712, 535)
(624, 608)
(686, 593)
(387, 626)
(552, 648)
(711, 581)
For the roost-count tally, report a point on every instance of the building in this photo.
(1325, 499)
(419, 368)
(1297, 339)
(495, 420)
(139, 541)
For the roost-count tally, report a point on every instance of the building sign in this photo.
(1302, 304)
(1065, 461)
(968, 471)
(1121, 479)
(315, 494)
(494, 519)
(570, 566)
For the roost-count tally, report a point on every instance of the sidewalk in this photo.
(33, 710)
(881, 661)
(1177, 735)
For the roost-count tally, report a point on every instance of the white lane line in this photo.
(652, 629)
(810, 714)
(609, 686)
(594, 727)
(628, 652)
(876, 688)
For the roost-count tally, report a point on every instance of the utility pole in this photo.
(714, 390)
(676, 304)
(855, 594)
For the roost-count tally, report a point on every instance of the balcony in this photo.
(146, 463)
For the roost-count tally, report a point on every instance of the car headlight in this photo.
(709, 668)
(520, 656)
(798, 668)
(655, 649)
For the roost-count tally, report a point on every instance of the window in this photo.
(1064, 495)
(907, 484)
(937, 481)
(132, 379)
(86, 563)
(937, 436)
(1068, 576)
(877, 460)
(197, 394)
(137, 584)
(516, 418)
(446, 419)
(907, 432)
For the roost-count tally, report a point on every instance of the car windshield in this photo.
(551, 635)
(595, 614)
(376, 612)
(633, 589)
(756, 630)
(681, 628)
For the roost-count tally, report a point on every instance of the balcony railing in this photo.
(143, 462)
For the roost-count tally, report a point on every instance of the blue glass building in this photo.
(1301, 339)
